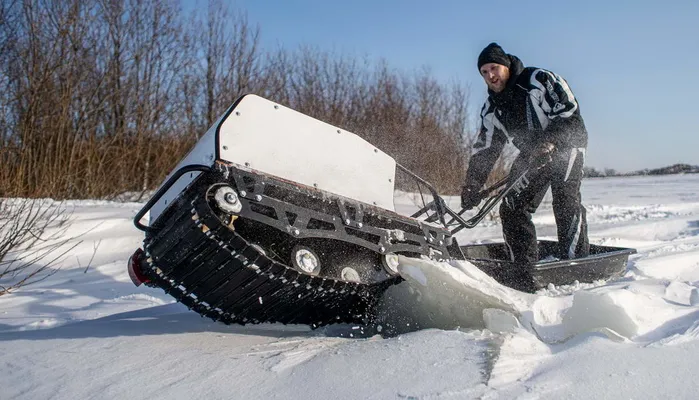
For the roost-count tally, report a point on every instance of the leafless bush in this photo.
(31, 241)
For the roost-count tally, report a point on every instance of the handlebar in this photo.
(443, 210)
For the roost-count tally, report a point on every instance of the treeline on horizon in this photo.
(591, 172)
(103, 97)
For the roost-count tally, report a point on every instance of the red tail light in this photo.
(134, 265)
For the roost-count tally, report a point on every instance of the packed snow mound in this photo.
(459, 295)
(630, 309)
(447, 295)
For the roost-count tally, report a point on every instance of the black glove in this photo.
(470, 197)
(541, 155)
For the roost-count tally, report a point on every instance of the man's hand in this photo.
(470, 197)
(541, 155)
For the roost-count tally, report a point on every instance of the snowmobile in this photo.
(275, 216)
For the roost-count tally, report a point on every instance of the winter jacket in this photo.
(536, 106)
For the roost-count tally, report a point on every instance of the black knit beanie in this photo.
(493, 53)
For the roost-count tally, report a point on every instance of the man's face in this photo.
(495, 76)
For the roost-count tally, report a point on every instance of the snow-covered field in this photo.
(87, 332)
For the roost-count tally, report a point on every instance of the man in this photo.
(535, 110)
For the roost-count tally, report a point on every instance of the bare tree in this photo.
(230, 58)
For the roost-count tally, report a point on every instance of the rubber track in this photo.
(212, 270)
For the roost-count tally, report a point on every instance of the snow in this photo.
(448, 332)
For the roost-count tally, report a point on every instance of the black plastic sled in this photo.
(604, 262)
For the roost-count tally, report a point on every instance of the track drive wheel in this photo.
(304, 259)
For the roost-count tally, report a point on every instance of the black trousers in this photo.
(563, 174)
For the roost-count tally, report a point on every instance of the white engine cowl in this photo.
(261, 135)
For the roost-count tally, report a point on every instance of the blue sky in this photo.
(634, 65)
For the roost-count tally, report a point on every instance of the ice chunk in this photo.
(592, 311)
(500, 321)
(694, 297)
